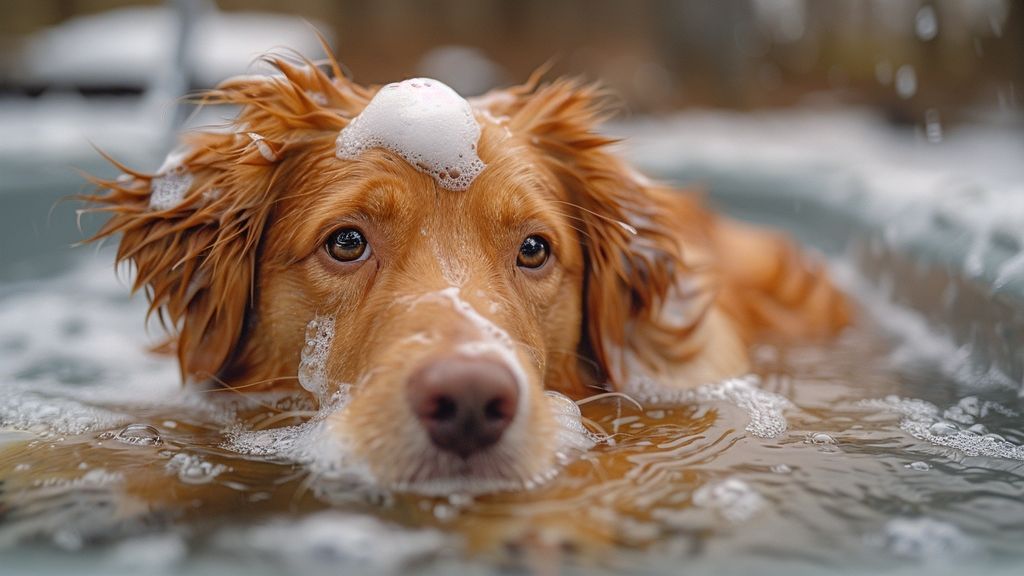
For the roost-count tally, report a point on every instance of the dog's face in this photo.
(450, 311)
(443, 315)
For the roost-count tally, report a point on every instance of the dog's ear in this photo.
(192, 230)
(642, 299)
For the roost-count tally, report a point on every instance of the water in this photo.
(840, 457)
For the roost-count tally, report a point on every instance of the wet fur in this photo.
(648, 285)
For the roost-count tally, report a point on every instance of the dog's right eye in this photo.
(347, 245)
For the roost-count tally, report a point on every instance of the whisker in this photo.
(228, 388)
(301, 490)
(593, 424)
(625, 225)
(246, 396)
(604, 395)
(263, 424)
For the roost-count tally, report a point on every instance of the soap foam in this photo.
(336, 469)
(329, 539)
(923, 539)
(733, 499)
(426, 123)
(313, 360)
(764, 409)
(168, 188)
(924, 421)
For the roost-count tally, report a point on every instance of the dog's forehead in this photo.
(426, 123)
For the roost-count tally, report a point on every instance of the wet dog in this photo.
(445, 263)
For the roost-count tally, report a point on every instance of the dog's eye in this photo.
(533, 252)
(347, 245)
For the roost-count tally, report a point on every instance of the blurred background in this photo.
(961, 58)
(107, 73)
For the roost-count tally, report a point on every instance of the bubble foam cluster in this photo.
(924, 539)
(313, 360)
(426, 123)
(764, 409)
(956, 427)
(167, 190)
(733, 499)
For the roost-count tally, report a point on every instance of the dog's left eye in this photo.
(533, 252)
(347, 245)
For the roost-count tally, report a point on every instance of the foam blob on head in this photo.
(426, 123)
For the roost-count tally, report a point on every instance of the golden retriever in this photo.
(446, 307)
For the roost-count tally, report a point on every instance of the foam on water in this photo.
(330, 460)
(426, 123)
(764, 409)
(733, 499)
(328, 539)
(73, 359)
(953, 427)
(194, 469)
(923, 539)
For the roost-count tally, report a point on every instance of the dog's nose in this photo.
(464, 404)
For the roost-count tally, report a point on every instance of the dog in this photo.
(448, 263)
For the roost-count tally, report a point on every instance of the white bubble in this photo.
(139, 435)
(193, 469)
(919, 466)
(426, 123)
(822, 439)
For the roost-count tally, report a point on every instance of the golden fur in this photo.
(645, 284)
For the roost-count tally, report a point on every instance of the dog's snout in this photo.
(464, 404)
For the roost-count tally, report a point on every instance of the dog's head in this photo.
(444, 314)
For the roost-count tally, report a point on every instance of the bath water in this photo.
(834, 457)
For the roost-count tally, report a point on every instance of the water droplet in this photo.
(139, 435)
(822, 439)
(926, 24)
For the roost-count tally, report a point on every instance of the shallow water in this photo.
(842, 457)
